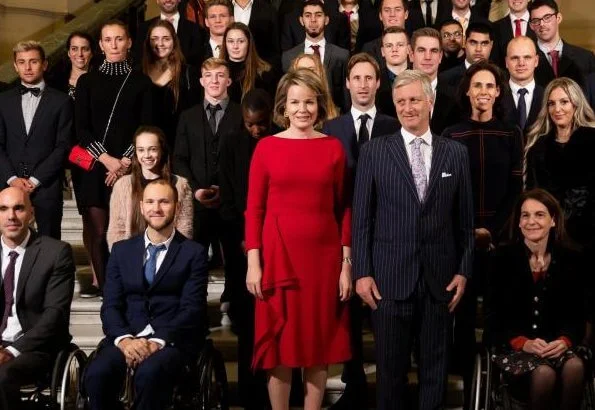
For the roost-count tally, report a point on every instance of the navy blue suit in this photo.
(412, 250)
(175, 307)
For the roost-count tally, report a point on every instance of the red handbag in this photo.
(80, 157)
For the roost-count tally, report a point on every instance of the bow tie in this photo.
(33, 90)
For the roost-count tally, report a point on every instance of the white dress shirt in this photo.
(559, 46)
(354, 12)
(514, 88)
(242, 14)
(310, 50)
(215, 48)
(175, 20)
(13, 330)
(524, 22)
(463, 20)
(433, 7)
(148, 330)
(355, 113)
(426, 148)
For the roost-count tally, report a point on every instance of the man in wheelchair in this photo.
(37, 288)
(154, 309)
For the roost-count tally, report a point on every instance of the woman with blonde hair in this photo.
(298, 242)
(313, 63)
(559, 155)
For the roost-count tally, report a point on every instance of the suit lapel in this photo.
(170, 257)
(396, 147)
(41, 107)
(17, 108)
(138, 261)
(436, 166)
(31, 253)
(328, 57)
(535, 105)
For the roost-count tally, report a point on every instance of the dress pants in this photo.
(154, 379)
(397, 325)
(48, 216)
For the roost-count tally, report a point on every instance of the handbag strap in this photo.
(109, 120)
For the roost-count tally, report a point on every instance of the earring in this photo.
(286, 114)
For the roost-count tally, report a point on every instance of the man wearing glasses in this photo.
(557, 58)
(451, 33)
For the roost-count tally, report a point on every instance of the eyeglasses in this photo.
(457, 35)
(545, 19)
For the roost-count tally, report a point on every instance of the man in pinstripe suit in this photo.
(413, 244)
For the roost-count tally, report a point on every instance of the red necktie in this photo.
(517, 28)
(554, 55)
(348, 14)
(8, 286)
(316, 49)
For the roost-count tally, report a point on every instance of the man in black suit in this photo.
(35, 137)
(315, 21)
(523, 100)
(451, 33)
(514, 25)
(263, 22)
(293, 31)
(370, 27)
(190, 34)
(37, 283)
(591, 90)
(479, 40)
(425, 55)
(412, 245)
(392, 13)
(462, 12)
(218, 16)
(200, 135)
(154, 309)
(428, 13)
(355, 129)
(557, 58)
(395, 51)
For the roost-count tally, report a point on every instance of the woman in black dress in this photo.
(535, 317)
(559, 153)
(495, 157)
(105, 128)
(246, 69)
(176, 85)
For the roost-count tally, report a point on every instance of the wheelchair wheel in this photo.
(66, 376)
(212, 379)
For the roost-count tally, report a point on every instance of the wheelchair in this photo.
(490, 389)
(58, 388)
(202, 386)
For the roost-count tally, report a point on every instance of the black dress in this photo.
(95, 95)
(165, 109)
(567, 171)
(267, 81)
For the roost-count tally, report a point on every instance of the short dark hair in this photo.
(426, 32)
(363, 58)
(224, 3)
(81, 34)
(313, 3)
(480, 27)
(450, 22)
(164, 182)
(465, 84)
(404, 2)
(535, 4)
(257, 99)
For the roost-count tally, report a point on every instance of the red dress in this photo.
(298, 214)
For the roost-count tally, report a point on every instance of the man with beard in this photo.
(315, 20)
(154, 308)
(451, 33)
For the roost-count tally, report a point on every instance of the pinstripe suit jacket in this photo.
(395, 236)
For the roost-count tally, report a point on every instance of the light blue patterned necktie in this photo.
(418, 168)
(151, 264)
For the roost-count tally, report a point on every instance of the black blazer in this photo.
(575, 63)
(343, 128)
(396, 238)
(374, 48)
(511, 300)
(336, 32)
(264, 27)
(190, 155)
(511, 113)
(174, 304)
(416, 18)
(502, 35)
(190, 34)
(44, 294)
(591, 90)
(370, 26)
(43, 151)
(451, 78)
(445, 109)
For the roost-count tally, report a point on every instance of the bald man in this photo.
(36, 292)
(524, 99)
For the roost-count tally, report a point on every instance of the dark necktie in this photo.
(428, 13)
(316, 49)
(522, 108)
(8, 290)
(348, 15)
(555, 58)
(33, 90)
(212, 116)
(151, 264)
(364, 136)
(517, 27)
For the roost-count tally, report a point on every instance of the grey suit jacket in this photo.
(335, 63)
(44, 293)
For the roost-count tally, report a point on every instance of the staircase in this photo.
(85, 323)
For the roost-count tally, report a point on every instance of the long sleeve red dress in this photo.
(299, 215)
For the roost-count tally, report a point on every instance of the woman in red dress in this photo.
(298, 241)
